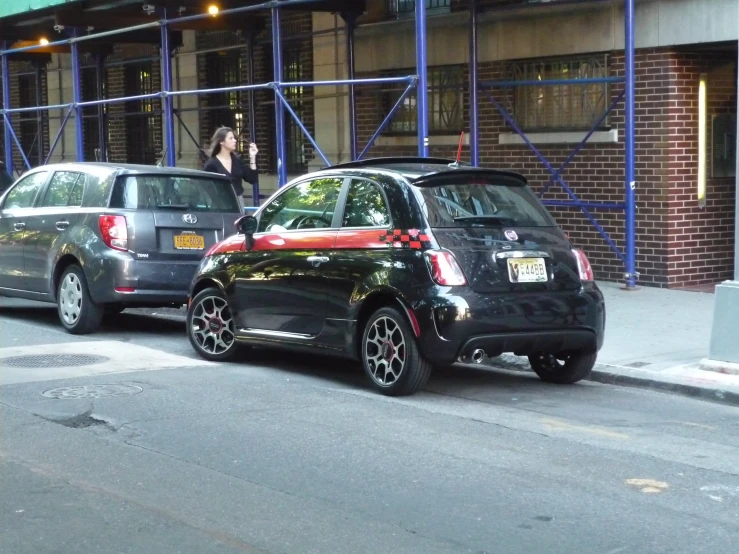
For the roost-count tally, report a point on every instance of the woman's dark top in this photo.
(239, 171)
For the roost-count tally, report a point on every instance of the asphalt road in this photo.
(290, 453)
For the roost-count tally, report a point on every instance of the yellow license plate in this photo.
(189, 242)
(527, 270)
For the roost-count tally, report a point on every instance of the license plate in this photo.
(189, 242)
(527, 270)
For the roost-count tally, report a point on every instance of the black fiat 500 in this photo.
(404, 264)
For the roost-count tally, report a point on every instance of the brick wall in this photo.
(677, 244)
(701, 240)
(15, 102)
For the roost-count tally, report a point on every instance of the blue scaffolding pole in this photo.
(7, 126)
(628, 257)
(422, 88)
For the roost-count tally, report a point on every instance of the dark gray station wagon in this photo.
(94, 237)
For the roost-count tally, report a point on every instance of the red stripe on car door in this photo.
(296, 240)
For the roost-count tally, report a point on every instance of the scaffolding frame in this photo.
(418, 82)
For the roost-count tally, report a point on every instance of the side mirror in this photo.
(247, 225)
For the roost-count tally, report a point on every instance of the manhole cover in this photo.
(53, 360)
(92, 391)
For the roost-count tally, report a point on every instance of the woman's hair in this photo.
(218, 137)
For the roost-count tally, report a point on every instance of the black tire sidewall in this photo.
(416, 369)
(223, 356)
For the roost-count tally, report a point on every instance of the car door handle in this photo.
(61, 225)
(19, 226)
(315, 260)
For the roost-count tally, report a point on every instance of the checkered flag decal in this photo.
(406, 238)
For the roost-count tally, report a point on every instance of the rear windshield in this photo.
(173, 192)
(487, 201)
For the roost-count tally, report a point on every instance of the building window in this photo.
(294, 138)
(91, 114)
(406, 8)
(446, 90)
(567, 107)
(142, 116)
(227, 109)
(29, 136)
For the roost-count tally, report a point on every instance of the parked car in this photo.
(404, 264)
(96, 237)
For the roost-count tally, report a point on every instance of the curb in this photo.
(626, 377)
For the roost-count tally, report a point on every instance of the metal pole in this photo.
(350, 19)
(474, 114)
(630, 275)
(307, 134)
(166, 88)
(76, 99)
(7, 117)
(100, 78)
(279, 108)
(39, 116)
(250, 81)
(58, 136)
(422, 89)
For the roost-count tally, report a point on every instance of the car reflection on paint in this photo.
(404, 264)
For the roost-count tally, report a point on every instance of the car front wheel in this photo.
(563, 369)
(77, 312)
(210, 326)
(390, 354)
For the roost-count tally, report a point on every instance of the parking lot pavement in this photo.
(291, 453)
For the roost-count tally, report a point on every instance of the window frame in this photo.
(519, 100)
(345, 197)
(390, 94)
(338, 210)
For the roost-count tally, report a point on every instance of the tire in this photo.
(210, 326)
(563, 369)
(389, 343)
(78, 314)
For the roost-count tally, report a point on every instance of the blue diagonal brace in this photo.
(388, 118)
(300, 124)
(582, 143)
(546, 163)
(9, 127)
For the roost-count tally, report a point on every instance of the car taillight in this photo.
(114, 231)
(583, 265)
(444, 268)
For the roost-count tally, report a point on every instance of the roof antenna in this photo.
(459, 151)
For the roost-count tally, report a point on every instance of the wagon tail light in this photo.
(114, 230)
(444, 268)
(583, 266)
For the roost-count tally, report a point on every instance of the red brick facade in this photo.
(677, 243)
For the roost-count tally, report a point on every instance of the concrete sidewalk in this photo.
(656, 338)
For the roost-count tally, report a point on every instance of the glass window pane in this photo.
(309, 205)
(23, 195)
(365, 206)
(60, 189)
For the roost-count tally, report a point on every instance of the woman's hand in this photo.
(253, 151)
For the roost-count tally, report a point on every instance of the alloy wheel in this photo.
(70, 299)
(212, 325)
(385, 351)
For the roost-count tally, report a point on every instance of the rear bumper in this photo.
(454, 326)
(121, 279)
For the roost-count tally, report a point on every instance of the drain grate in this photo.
(91, 391)
(53, 360)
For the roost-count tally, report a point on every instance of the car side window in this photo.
(365, 206)
(24, 193)
(65, 189)
(307, 205)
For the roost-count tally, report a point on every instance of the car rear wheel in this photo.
(390, 354)
(563, 369)
(210, 326)
(77, 312)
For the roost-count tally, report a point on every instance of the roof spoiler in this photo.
(379, 162)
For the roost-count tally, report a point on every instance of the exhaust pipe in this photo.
(478, 355)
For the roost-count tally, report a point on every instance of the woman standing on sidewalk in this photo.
(224, 160)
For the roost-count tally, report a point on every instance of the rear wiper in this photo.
(486, 219)
(173, 206)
